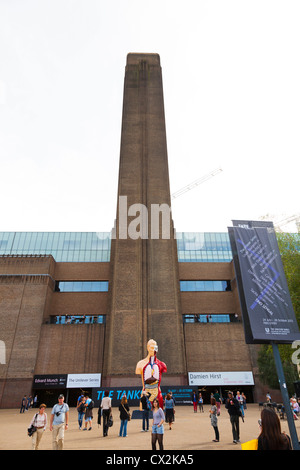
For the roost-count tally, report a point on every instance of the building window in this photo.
(77, 319)
(63, 246)
(205, 286)
(203, 247)
(210, 318)
(81, 286)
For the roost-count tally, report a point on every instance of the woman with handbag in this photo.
(213, 418)
(170, 410)
(38, 426)
(106, 412)
(124, 416)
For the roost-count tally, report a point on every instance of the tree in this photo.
(267, 368)
(289, 247)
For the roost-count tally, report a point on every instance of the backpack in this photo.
(91, 405)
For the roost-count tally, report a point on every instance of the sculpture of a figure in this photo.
(151, 369)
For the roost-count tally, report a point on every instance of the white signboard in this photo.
(221, 378)
(83, 380)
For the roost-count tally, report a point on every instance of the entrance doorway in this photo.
(74, 394)
(208, 391)
(50, 397)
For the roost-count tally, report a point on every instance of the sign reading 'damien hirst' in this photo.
(221, 378)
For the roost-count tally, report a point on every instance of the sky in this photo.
(231, 75)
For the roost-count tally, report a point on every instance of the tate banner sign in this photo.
(266, 305)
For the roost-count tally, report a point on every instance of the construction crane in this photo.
(293, 218)
(278, 225)
(196, 183)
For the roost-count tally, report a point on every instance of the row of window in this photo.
(101, 319)
(81, 286)
(203, 247)
(209, 318)
(77, 319)
(96, 246)
(63, 246)
(205, 286)
(102, 286)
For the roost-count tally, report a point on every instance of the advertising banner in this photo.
(220, 378)
(267, 309)
(49, 381)
(83, 380)
(182, 395)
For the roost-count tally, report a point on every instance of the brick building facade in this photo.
(73, 303)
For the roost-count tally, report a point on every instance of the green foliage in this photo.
(289, 247)
(267, 368)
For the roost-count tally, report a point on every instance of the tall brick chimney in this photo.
(144, 292)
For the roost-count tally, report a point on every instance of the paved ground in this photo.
(191, 431)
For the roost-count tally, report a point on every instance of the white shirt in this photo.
(39, 420)
(106, 403)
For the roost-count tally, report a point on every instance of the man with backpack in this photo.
(89, 405)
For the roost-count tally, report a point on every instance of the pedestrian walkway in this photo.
(191, 431)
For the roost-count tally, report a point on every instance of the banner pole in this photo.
(285, 397)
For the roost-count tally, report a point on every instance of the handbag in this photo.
(110, 421)
(32, 428)
(128, 413)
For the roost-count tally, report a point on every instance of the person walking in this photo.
(106, 411)
(35, 401)
(146, 408)
(214, 419)
(88, 412)
(218, 402)
(233, 408)
(40, 422)
(124, 416)
(194, 399)
(81, 410)
(200, 403)
(29, 402)
(23, 404)
(158, 425)
(271, 437)
(169, 410)
(59, 422)
(240, 399)
(244, 401)
(268, 397)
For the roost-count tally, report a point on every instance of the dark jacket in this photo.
(144, 401)
(123, 413)
(233, 407)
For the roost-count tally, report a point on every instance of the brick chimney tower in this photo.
(144, 291)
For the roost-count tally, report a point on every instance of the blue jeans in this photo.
(80, 418)
(145, 420)
(123, 427)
